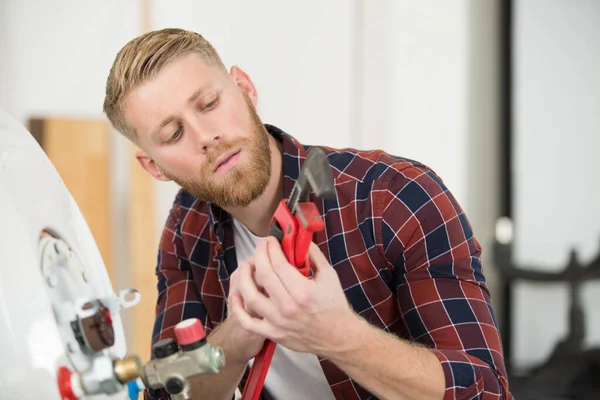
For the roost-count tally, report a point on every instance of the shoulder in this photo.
(404, 193)
(391, 189)
(381, 169)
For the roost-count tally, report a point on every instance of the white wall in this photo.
(55, 60)
(429, 87)
(483, 201)
(556, 164)
(56, 55)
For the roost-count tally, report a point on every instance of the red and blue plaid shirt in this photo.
(402, 246)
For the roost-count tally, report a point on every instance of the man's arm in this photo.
(454, 351)
(223, 384)
(442, 294)
(180, 285)
(179, 299)
(386, 366)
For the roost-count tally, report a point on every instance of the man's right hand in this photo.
(239, 345)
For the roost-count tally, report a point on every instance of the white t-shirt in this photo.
(292, 375)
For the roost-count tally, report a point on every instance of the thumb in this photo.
(318, 260)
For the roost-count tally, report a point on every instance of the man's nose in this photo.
(207, 139)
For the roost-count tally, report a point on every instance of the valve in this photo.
(105, 377)
(165, 348)
(69, 385)
(175, 361)
(95, 332)
(190, 334)
(178, 359)
(128, 369)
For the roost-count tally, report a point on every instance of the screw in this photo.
(174, 386)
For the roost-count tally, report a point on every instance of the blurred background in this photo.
(500, 97)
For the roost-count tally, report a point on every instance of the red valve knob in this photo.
(65, 386)
(189, 331)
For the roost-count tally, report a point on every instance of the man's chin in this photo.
(233, 200)
(236, 194)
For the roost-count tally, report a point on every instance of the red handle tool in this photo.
(294, 224)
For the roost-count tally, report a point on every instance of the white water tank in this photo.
(58, 310)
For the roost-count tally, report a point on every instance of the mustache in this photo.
(223, 148)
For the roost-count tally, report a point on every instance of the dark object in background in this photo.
(571, 371)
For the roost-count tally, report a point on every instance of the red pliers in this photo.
(293, 224)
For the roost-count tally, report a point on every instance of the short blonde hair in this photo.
(141, 59)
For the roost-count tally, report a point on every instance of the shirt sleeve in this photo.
(441, 289)
(178, 295)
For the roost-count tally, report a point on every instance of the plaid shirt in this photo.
(402, 247)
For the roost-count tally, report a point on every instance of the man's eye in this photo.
(176, 135)
(211, 104)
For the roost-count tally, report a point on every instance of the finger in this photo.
(254, 300)
(251, 324)
(266, 276)
(247, 264)
(235, 298)
(241, 270)
(292, 279)
(238, 309)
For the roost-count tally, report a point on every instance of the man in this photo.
(397, 306)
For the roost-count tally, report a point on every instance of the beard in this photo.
(242, 184)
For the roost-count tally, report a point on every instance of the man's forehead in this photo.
(153, 104)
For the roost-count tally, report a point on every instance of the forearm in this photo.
(219, 386)
(387, 366)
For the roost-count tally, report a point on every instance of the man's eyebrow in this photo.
(197, 94)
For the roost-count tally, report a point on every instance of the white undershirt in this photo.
(292, 375)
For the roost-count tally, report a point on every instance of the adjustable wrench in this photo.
(293, 224)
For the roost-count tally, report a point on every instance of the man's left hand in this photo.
(307, 315)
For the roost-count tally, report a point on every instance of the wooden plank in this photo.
(145, 15)
(80, 152)
(143, 240)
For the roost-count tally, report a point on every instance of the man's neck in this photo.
(257, 216)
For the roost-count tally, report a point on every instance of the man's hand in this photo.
(302, 314)
(242, 344)
(239, 345)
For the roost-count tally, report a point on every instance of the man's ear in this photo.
(150, 166)
(242, 79)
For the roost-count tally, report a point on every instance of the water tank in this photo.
(61, 334)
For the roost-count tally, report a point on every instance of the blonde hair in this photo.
(141, 59)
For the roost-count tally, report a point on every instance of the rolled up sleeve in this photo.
(441, 289)
(467, 377)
